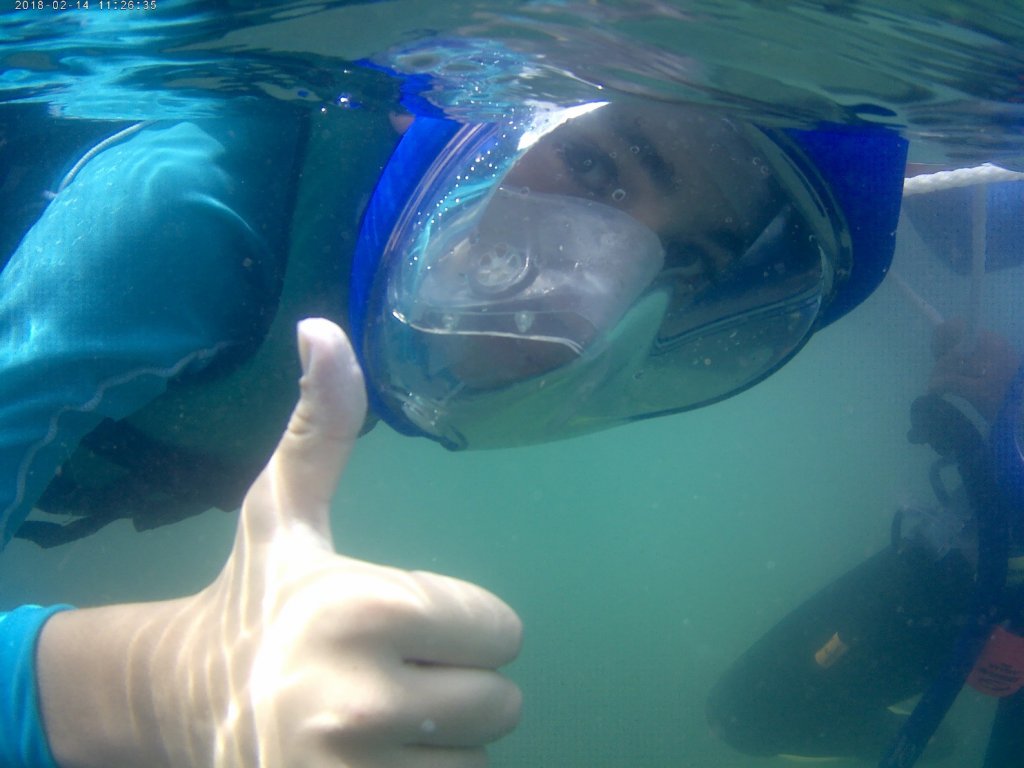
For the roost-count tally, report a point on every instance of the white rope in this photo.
(961, 177)
(978, 178)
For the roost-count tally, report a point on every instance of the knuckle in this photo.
(372, 611)
(350, 720)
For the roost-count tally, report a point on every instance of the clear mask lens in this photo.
(526, 265)
(536, 289)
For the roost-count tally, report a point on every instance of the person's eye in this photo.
(591, 168)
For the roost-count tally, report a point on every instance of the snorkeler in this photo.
(511, 283)
(830, 678)
(538, 277)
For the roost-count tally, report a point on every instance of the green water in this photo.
(642, 560)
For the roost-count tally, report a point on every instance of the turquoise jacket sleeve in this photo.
(23, 741)
(159, 256)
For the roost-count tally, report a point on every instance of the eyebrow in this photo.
(662, 171)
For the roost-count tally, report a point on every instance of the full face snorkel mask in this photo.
(542, 277)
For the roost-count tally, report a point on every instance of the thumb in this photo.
(296, 486)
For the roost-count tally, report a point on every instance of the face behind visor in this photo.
(536, 279)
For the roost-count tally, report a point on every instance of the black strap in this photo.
(147, 481)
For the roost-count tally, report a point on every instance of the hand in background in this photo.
(295, 655)
(980, 372)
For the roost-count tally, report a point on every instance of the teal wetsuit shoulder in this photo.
(162, 254)
(23, 742)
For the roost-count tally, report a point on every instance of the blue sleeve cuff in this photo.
(23, 741)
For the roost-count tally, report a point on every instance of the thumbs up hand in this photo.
(294, 655)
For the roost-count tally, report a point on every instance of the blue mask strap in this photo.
(420, 145)
(864, 170)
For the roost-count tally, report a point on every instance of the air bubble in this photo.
(524, 321)
(619, 194)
